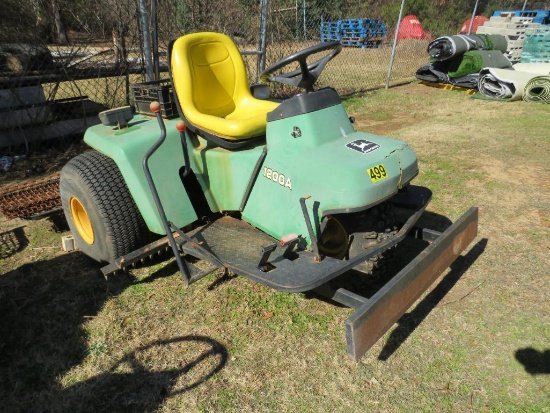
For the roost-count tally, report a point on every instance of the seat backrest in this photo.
(208, 74)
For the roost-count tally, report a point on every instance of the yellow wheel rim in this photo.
(82, 221)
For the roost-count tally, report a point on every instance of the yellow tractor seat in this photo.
(212, 88)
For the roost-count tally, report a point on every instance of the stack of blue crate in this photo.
(538, 16)
(364, 33)
(330, 32)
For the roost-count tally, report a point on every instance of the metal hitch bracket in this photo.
(376, 316)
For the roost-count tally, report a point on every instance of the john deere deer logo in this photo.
(363, 146)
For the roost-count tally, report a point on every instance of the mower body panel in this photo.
(222, 174)
(127, 147)
(316, 154)
(319, 154)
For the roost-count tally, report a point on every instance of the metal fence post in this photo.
(155, 40)
(472, 19)
(263, 36)
(394, 44)
(304, 12)
(147, 51)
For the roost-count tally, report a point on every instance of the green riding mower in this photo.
(286, 193)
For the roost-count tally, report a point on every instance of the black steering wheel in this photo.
(307, 75)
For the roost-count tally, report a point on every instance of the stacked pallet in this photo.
(536, 48)
(537, 16)
(513, 28)
(330, 31)
(364, 33)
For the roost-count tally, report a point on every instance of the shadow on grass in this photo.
(12, 242)
(410, 321)
(58, 221)
(142, 389)
(43, 307)
(171, 268)
(534, 361)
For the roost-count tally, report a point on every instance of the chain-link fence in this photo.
(63, 61)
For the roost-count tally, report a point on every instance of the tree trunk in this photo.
(61, 35)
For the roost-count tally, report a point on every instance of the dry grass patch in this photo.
(478, 341)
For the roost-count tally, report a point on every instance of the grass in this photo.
(369, 67)
(477, 342)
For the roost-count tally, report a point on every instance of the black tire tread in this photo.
(380, 221)
(124, 225)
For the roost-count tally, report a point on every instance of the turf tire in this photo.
(94, 182)
(377, 225)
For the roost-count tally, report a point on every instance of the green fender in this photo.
(326, 163)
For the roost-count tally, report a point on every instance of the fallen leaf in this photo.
(267, 316)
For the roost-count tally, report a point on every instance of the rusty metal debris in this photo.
(30, 199)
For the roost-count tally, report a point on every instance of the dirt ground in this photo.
(478, 341)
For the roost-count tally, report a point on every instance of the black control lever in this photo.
(181, 127)
(184, 269)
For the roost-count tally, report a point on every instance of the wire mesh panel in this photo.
(63, 61)
(239, 19)
(362, 28)
(363, 62)
(367, 30)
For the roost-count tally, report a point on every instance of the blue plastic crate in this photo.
(330, 32)
(352, 21)
(535, 13)
(374, 35)
(376, 24)
(529, 58)
(347, 26)
(536, 47)
(373, 44)
(330, 26)
(364, 44)
(353, 44)
(329, 38)
(539, 16)
(354, 32)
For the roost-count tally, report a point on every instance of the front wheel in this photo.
(100, 211)
(345, 236)
(373, 227)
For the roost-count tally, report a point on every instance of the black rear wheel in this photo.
(100, 211)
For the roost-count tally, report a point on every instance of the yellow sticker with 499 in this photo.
(377, 173)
